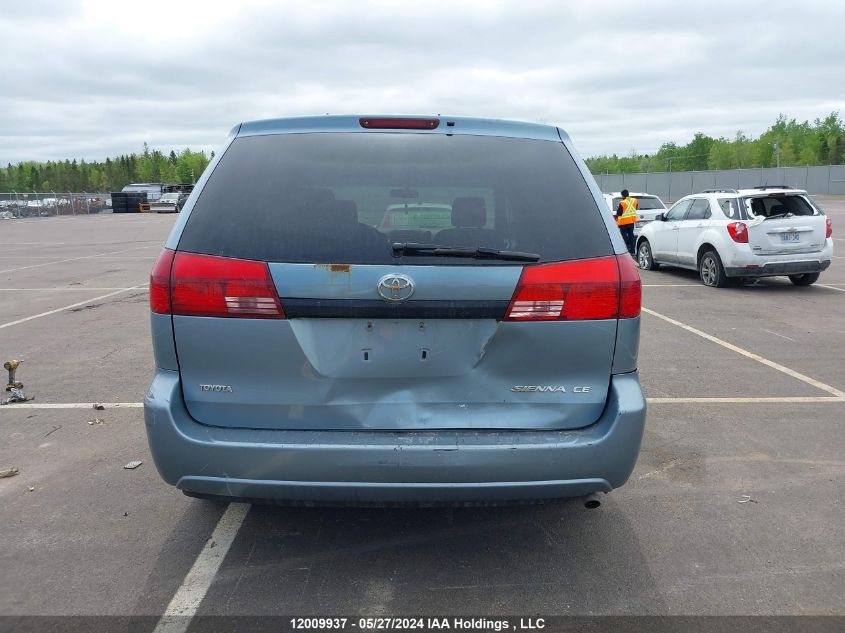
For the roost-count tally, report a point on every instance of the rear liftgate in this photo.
(307, 346)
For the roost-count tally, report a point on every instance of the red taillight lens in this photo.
(399, 124)
(160, 283)
(204, 285)
(828, 228)
(738, 232)
(602, 288)
(631, 298)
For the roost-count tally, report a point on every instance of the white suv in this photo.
(648, 206)
(727, 235)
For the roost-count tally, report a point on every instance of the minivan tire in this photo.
(645, 259)
(804, 280)
(711, 271)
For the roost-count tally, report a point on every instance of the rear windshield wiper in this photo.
(476, 252)
(779, 215)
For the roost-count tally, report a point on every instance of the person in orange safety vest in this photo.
(626, 218)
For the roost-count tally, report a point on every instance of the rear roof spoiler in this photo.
(720, 191)
(764, 187)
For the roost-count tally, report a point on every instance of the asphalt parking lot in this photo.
(735, 507)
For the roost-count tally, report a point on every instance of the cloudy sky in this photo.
(95, 78)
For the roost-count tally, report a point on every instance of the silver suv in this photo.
(308, 351)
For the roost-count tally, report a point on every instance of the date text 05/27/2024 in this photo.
(417, 623)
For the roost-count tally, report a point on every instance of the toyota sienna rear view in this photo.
(478, 346)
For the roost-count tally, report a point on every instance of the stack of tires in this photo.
(127, 201)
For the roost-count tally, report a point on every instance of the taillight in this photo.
(398, 123)
(631, 286)
(205, 285)
(738, 232)
(160, 283)
(602, 288)
(828, 228)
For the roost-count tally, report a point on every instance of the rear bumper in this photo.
(772, 269)
(390, 466)
(742, 262)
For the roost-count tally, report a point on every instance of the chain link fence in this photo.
(821, 180)
(41, 204)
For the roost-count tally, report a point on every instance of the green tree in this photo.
(821, 142)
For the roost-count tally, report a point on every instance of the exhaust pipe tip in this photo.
(592, 501)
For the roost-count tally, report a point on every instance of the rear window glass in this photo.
(347, 197)
(417, 216)
(768, 206)
(644, 203)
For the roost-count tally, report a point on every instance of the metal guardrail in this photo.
(39, 204)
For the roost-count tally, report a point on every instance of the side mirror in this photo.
(660, 217)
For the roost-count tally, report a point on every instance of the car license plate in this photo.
(790, 237)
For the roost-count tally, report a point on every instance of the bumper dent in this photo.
(394, 466)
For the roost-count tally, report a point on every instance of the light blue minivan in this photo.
(307, 351)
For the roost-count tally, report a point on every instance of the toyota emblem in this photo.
(395, 287)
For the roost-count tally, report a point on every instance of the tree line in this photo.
(110, 175)
(821, 142)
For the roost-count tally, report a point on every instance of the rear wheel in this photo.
(645, 259)
(804, 280)
(711, 271)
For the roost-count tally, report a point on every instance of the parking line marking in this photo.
(830, 287)
(72, 305)
(185, 602)
(54, 257)
(744, 352)
(75, 405)
(73, 259)
(74, 288)
(781, 335)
